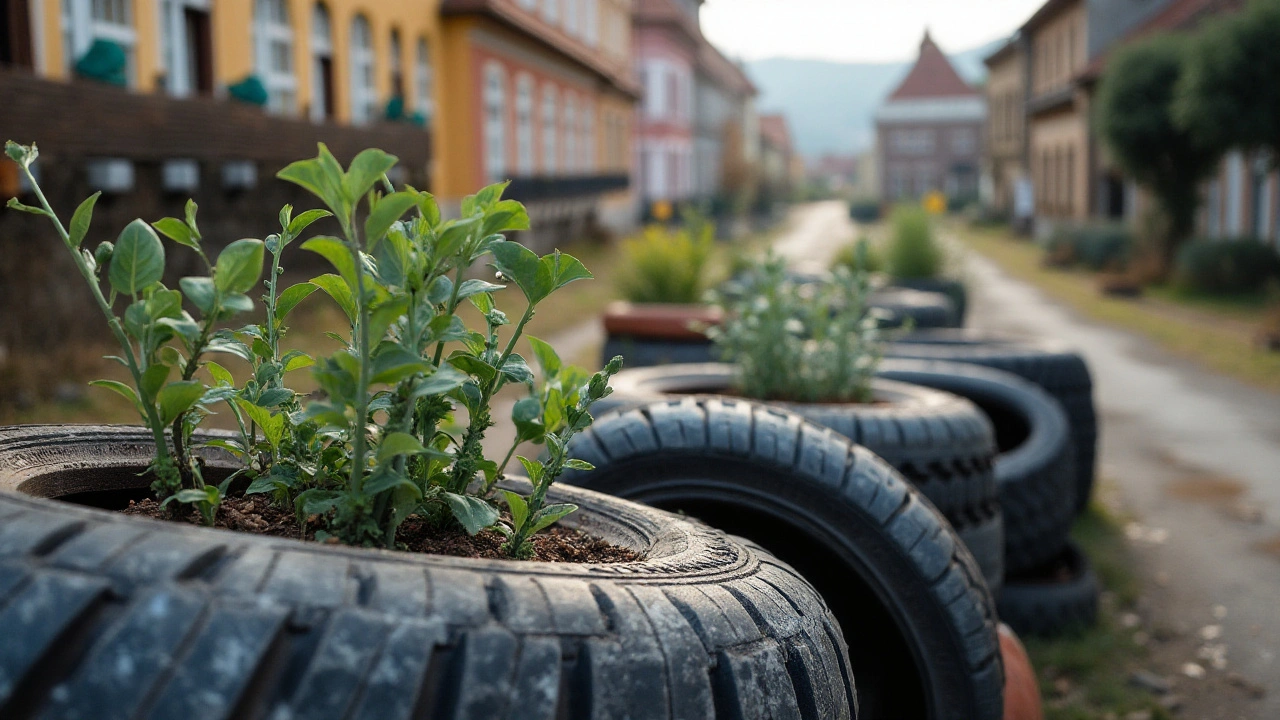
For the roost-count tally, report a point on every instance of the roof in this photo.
(774, 130)
(1003, 51)
(932, 76)
(726, 72)
(1178, 15)
(665, 12)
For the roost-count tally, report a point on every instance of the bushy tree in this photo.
(1136, 122)
(1228, 96)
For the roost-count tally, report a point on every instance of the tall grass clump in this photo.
(913, 250)
(665, 265)
(859, 255)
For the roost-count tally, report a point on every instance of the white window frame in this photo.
(174, 55)
(363, 66)
(550, 131)
(321, 49)
(422, 79)
(570, 132)
(524, 124)
(592, 13)
(395, 59)
(572, 15)
(81, 26)
(551, 10)
(588, 124)
(268, 32)
(495, 121)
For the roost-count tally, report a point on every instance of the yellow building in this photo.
(539, 93)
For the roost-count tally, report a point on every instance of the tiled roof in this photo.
(932, 76)
(774, 130)
(1178, 15)
(665, 12)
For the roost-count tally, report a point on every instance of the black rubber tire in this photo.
(942, 443)
(213, 624)
(647, 352)
(1035, 469)
(1055, 367)
(924, 309)
(953, 289)
(916, 615)
(1057, 599)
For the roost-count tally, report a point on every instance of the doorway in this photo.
(198, 31)
(15, 34)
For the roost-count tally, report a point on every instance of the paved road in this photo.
(814, 233)
(1192, 457)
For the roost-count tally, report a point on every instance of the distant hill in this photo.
(830, 105)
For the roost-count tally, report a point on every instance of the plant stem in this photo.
(362, 384)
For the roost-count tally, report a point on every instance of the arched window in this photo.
(495, 121)
(322, 105)
(422, 80)
(364, 95)
(588, 163)
(524, 124)
(550, 133)
(570, 130)
(395, 53)
(273, 55)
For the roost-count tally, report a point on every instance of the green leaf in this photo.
(316, 501)
(177, 231)
(475, 287)
(519, 508)
(177, 398)
(473, 513)
(273, 426)
(565, 269)
(388, 210)
(455, 236)
(189, 210)
(322, 176)
(506, 215)
(474, 366)
(386, 479)
(337, 253)
(429, 208)
(337, 288)
(153, 379)
(582, 465)
(398, 443)
(443, 380)
(521, 265)
(15, 204)
(394, 258)
(235, 303)
(239, 266)
(303, 221)
(551, 514)
(121, 389)
(81, 219)
(534, 469)
(220, 375)
(396, 364)
(290, 298)
(366, 170)
(297, 362)
(232, 446)
(275, 397)
(138, 259)
(517, 370)
(546, 355)
(200, 291)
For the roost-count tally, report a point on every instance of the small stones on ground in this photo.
(1244, 512)
(1130, 620)
(1172, 703)
(1253, 689)
(1215, 654)
(1151, 682)
(1138, 532)
(1210, 632)
(1141, 639)
(1219, 612)
(1138, 715)
(1162, 578)
(1195, 671)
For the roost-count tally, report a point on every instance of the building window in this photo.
(364, 95)
(186, 34)
(322, 104)
(588, 137)
(395, 53)
(422, 80)
(912, 142)
(570, 134)
(571, 16)
(495, 121)
(551, 10)
(85, 21)
(550, 134)
(592, 21)
(273, 55)
(524, 124)
(529, 4)
(963, 141)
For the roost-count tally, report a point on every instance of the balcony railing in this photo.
(532, 188)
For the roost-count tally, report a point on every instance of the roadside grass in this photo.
(1214, 332)
(1086, 676)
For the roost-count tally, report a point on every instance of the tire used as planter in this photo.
(923, 309)
(953, 289)
(106, 615)
(651, 334)
(909, 597)
(1056, 368)
(1056, 598)
(1035, 468)
(942, 443)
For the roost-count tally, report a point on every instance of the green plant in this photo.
(376, 449)
(801, 342)
(913, 250)
(1235, 266)
(664, 265)
(859, 255)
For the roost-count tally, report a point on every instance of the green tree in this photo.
(1136, 122)
(1228, 96)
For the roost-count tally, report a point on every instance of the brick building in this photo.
(929, 131)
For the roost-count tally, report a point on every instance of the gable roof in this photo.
(932, 76)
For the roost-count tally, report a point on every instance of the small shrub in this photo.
(859, 255)
(1096, 246)
(865, 210)
(1237, 265)
(811, 342)
(913, 250)
(664, 265)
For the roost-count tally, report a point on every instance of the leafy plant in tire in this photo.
(377, 448)
(801, 342)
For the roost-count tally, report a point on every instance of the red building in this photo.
(666, 45)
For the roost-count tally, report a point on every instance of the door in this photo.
(15, 34)
(198, 30)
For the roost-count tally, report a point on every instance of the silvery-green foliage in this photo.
(800, 341)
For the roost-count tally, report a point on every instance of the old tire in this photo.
(108, 616)
(1056, 368)
(923, 309)
(647, 352)
(1034, 470)
(953, 289)
(915, 612)
(1058, 598)
(942, 443)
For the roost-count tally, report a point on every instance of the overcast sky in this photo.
(856, 30)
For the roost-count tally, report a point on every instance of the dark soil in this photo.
(256, 514)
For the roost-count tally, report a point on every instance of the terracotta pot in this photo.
(1021, 690)
(652, 320)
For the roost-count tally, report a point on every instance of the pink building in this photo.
(666, 44)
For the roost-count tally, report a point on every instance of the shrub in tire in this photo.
(107, 615)
(1056, 368)
(910, 599)
(1034, 470)
(942, 443)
